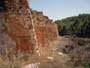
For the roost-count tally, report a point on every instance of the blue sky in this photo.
(58, 9)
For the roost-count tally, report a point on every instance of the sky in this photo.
(59, 9)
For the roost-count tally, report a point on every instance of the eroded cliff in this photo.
(26, 29)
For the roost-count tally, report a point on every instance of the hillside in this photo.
(75, 26)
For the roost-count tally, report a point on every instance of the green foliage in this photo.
(75, 26)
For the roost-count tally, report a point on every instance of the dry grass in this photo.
(18, 62)
(59, 59)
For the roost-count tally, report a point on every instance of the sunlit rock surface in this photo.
(25, 29)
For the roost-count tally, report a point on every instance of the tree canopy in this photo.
(75, 26)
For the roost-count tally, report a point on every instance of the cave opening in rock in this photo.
(2, 5)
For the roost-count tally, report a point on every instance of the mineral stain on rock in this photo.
(26, 27)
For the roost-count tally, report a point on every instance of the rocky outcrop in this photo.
(26, 29)
(46, 29)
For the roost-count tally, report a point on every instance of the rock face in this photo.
(46, 29)
(25, 29)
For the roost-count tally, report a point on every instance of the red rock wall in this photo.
(19, 27)
(46, 29)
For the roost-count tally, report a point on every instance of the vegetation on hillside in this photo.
(75, 26)
(78, 51)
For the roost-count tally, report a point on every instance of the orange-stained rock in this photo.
(46, 29)
(19, 25)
